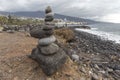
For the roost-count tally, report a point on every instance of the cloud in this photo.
(111, 18)
(92, 9)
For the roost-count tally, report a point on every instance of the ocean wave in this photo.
(94, 28)
(103, 35)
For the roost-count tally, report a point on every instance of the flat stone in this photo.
(39, 33)
(49, 64)
(50, 23)
(49, 14)
(49, 18)
(47, 41)
(49, 32)
(51, 49)
(75, 57)
(48, 27)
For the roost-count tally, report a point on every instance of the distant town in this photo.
(14, 20)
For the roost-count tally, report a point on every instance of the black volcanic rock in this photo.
(49, 64)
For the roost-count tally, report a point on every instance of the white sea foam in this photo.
(105, 35)
(94, 28)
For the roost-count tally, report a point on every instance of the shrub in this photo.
(65, 33)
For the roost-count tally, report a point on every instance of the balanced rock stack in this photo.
(48, 54)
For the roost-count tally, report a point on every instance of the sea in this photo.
(108, 31)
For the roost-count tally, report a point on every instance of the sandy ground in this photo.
(15, 44)
(15, 65)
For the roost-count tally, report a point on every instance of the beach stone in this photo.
(47, 41)
(48, 10)
(50, 23)
(95, 76)
(49, 18)
(75, 57)
(34, 53)
(49, 14)
(49, 55)
(48, 27)
(49, 32)
(39, 33)
(51, 49)
(49, 64)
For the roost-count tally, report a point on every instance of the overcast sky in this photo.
(102, 10)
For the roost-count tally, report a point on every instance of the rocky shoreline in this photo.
(102, 57)
(94, 58)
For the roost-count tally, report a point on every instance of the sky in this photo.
(100, 10)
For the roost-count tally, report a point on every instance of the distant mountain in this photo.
(41, 14)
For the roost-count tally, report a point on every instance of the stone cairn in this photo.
(47, 53)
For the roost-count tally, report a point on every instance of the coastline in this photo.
(103, 55)
(94, 58)
(104, 35)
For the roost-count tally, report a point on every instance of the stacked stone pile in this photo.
(48, 54)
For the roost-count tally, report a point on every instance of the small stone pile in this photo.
(48, 54)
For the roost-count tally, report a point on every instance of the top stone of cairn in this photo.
(48, 10)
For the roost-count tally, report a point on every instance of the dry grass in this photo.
(64, 34)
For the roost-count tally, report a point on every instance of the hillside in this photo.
(40, 14)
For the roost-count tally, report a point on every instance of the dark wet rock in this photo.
(51, 49)
(49, 64)
(47, 41)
